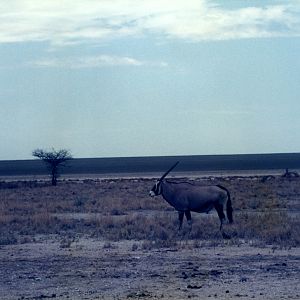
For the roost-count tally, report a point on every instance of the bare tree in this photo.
(54, 160)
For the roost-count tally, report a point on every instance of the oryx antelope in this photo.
(186, 197)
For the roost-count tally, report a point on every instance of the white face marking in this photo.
(155, 190)
(152, 194)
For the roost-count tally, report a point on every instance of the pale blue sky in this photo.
(136, 78)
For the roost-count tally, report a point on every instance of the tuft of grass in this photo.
(66, 242)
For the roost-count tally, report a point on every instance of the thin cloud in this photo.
(219, 112)
(94, 62)
(71, 22)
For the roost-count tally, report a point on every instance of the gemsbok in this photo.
(186, 197)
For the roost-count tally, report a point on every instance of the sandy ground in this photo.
(91, 269)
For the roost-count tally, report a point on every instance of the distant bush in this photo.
(54, 159)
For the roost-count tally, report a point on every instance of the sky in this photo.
(119, 78)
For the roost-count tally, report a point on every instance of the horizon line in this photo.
(161, 156)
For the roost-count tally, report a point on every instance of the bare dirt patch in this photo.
(90, 269)
(106, 239)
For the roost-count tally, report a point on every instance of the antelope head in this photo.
(156, 190)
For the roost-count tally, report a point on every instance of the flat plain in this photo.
(107, 239)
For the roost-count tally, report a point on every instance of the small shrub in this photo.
(8, 239)
(134, 247)
(66, 242)
(116, 212)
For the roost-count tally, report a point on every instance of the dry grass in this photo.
(271, 227)
(121, 209)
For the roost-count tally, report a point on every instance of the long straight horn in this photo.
(162, 177)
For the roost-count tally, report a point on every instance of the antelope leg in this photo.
(180, 218)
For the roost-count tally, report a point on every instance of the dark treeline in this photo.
(157, 164)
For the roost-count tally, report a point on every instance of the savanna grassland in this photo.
(107, 239)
